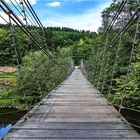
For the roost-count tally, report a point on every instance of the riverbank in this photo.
(8, 88)
(10, 115)
(132, 116)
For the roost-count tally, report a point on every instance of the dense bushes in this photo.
(40, 75)
(115, 71)
(118, 79)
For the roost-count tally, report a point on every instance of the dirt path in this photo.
(8, 69)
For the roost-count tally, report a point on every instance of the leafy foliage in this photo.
(39, 76)
(116, 72)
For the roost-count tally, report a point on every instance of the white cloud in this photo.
(54, 4)
(32, 2)
(2, 14)
(89, 20)
(5, 16)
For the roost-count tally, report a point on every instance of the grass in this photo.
(9, 95)
(8, 102)
(8, 92)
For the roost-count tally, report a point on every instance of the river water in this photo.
(12, 115)
(132, 117)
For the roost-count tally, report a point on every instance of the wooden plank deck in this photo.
(73, 111)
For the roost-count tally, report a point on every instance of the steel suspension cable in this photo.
(120, 8)
(106, 65)
(100, 73)
(96, 64)
(31, 18)
(130, 60)
(104, 76)
(33, 13)
(114, 66)
(127, 26)
(36, 18)
(4, 19)
(30, 45)
(19, 10)
(16, 53)
(26, 31)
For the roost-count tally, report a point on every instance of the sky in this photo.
(76, 14)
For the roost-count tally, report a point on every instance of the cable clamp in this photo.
(8, 11)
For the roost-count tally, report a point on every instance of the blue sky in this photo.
(77, 14)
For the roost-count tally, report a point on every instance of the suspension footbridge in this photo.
(74, 110)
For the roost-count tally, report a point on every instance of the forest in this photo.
(114, 71)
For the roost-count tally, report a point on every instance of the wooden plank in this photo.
(73, 125)
(40, 138)
(59, 103)
(75, 134)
